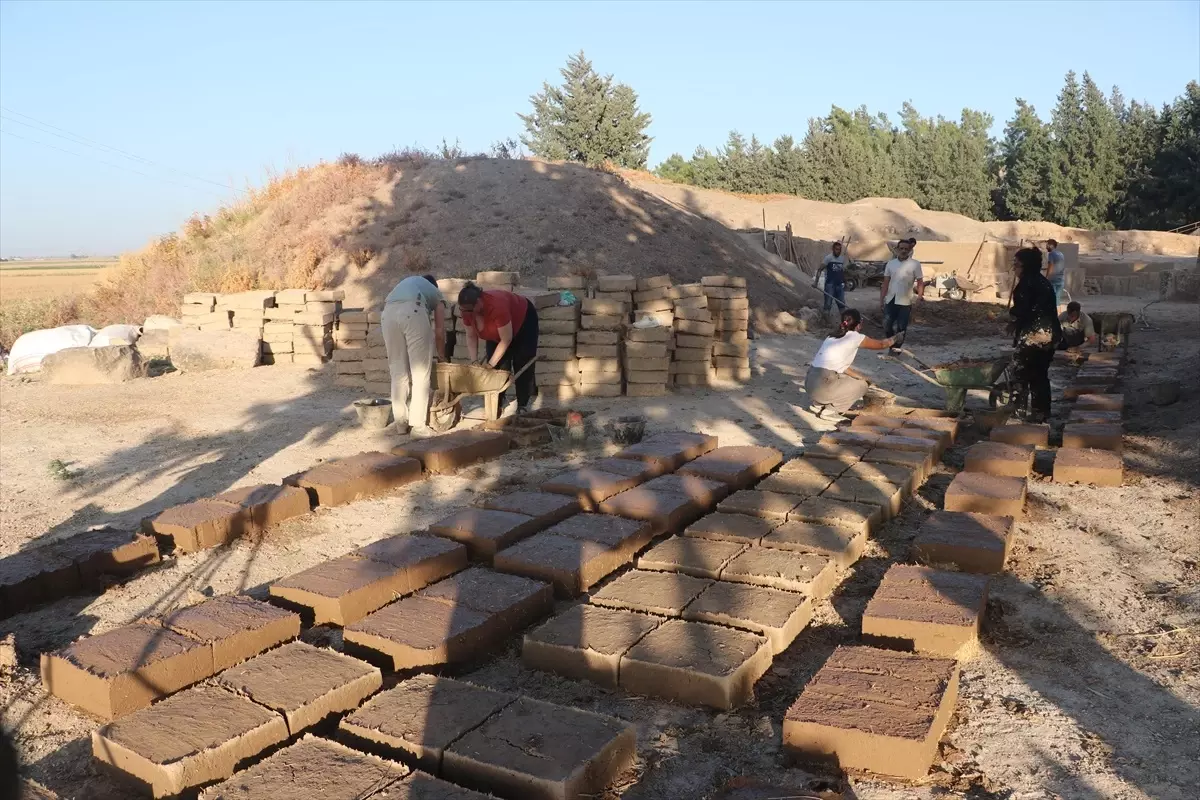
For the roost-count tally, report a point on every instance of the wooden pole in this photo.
(764, 227)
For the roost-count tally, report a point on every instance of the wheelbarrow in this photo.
(957, 377)
(455, 382)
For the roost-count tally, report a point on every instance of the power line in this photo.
(70, 136)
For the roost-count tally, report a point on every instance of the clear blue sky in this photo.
(227, 91)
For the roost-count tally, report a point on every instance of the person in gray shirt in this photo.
(411, 342)
(1056, 270)
(834, 268)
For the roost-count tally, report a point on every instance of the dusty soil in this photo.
(1088, 684)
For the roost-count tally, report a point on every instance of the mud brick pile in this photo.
(312, 331)
(691, 358)
(199, 310)
(729, 305)
(557, 371)
(618, 289)
(598, 344)
(498, 279)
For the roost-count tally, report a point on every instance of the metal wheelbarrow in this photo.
(957, 377)
(454, 382)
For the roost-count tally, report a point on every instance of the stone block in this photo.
(662, 593)
(452, 451)
(806, 573)
(1096, 436)
(696, 663)
(189, 739)
(485, 531)
(199, 525)
(986, 494)
(738, 466)
(930, 611)
(572, 565)
(586, 642)
(342, 590)
(972, 542)
(856, 517)
(1087, 465)
(690, 555)
(1100, 402)
(235, 627)
(542, 751)
(415, 721)
(997, 458)
(736, 528)
(757, 503)
(888, 497)
(777, 615)
(840, 545)
(671, 450)
(874, 710)
(589, 486)
(268, 504)
(545, 507)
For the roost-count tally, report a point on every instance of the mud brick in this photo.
(342, 590)
(740, 349)
(777, 615)
(943, 438)
(513, 601)
(118, 672)
(1097, 436)
(650, 294)
(598, 337)
(599, 389)
(736, 528)
(350, 368)
(602, 322)
(324, 295)
(641, 470)
(840, 546)
(485, 531)
(305, 684)
(452, 451)
(692, 355)
(819, 465)
(167, 747)
(971, 542)
(726, 325)
(757, 503)
(1084, 415)
(663, 319)
(671, 450)
(841, 452)
(647, 389)
(696, 663)
(917, 444)
(874, 710)
(418, 719)
(556, 380)
(589, 486)
(268, 504)
(364, 475)
(1087, 465)
(595, 367)
(1081, 387)
(658, 334)
(687, 290)
(941, 424)
(723, 280)
(806, 573)
(938, 612)
(699, 313)
(689, 555)
(690, 373)
(235, 627)
(205, 299)
(685, 380)
(350, 382)
(735, 307)
(738, 466)
(586, 642)
(741, 374)
(986, 494)
(424, 559)
(498, 277)
(662, 593)
(1022, 434)
(556, 353)
(1100, 402)
(627, 536)
(694, 327)
(375, 365)
(876, 421)
(313, 318)
(541, 751)
(616, 283)
(566, 282)
(94, 554)
(559, 326)
(734, 337)
(546, 508)
(572, 565)
(592, 306)
(314, 767)
(420, 632)
(664, 307)
(900, 476)
(850, 438)
(558, 314)
(856, 517)
(997, 458)
(598, 351)
(649, 371)
(922, 463)
(635, 350)
(553, 340)
(199, 525)
(887, 496)
(354, 354)
(377, 389)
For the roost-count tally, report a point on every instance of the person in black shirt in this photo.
(1036, 332)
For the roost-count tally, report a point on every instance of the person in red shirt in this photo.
(508, 324)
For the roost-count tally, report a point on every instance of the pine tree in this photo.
(1027, 158)
(588, 119)
(1100, 170)
(1066, 125)
(1175, 195)
(1139, 142)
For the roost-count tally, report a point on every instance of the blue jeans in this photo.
(1057, 282)
(835, 292)
(895, 319)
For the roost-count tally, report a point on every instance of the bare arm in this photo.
(506, 337)
(883, 290)
(439, 330)
(472, 344)
(877, 344)
(920, 289)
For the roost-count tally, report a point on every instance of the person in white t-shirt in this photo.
(832, 384)
(903, 282)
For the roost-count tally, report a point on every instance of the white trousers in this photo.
(408, 336)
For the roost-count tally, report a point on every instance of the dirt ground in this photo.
(1088, 684)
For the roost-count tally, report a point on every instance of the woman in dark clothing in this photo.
(1036, 332)
(507, 323)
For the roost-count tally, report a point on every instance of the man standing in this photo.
(411, 342)
(1077, 327)
(508, 324)
(1056, 270)
(896, 295)
(834, 267)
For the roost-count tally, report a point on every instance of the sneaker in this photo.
(829, 414)
(401, 428)
(525, 409)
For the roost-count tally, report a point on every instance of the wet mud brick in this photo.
(485, 531)
(268, 504)
(846, 453)
(1086, 415)
(840, 545)
(670, 451)
(945, 425)
(863, 438)
(886, 496)
(571, 565)
(126, 669)
(937, 611)
(586, 642)
(778, 615)
(1096, 436)
(236, 627)
(589, 486)
(739, 466)
(542, 751)
(624, 537)
(696, 663)
(874, 710)
(902, 476)
(1085, 465)
(986, 494)
(665, 511)
(1022, 434)
(513, 600)
(662, 593)
(876, 421)
(798, 484)
(420, 786)
(971, 542)
(704, 491)
(921, 462)
(855, 517)
(943, 438)
(189, 739)
(546, 507)
(806, 573)
(103, 553)
(336, 483)
(314, 768)
(768, 505)
(997, 458)
(425, 559)
(416, 720)
(701, 558)
(342, 590)
(817, 465)
(453, 451)
(723, 527)
(199, 525)
(1100, 402)
(931, 447)
(303, 683)
(35, 576)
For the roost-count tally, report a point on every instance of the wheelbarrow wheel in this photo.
(851, 284)
(444, 419)
(956, 294)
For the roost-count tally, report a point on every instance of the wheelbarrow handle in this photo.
(519, 372)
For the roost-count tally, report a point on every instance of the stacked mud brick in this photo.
(247, 311)
(653, 300)
(618, 289)
(1092, 439)
(279, 327)
(350, 348)
(312, 332)
(496, 279)
(199, 310)
(598, 344)
(729, 304)
(692, 324)
(557, 372)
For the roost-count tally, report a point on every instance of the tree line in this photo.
(1098, 162)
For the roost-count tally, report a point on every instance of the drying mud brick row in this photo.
(986, 494)
(670, 451)
(928, 610)
(1088, 465)
(841, 546)
(1022, 434)
(304, 684)
(486, 531)
(1095, 436)
(970, 542)
(267, 504)
(452, 620)
(346, 589)
(737, 528)
(874, 710)
(778, 615)
(586, 642)
(997, 458)
(542, 751)
(193, 738)
(738, 466)
(235, 627)
(199, 525)
(336, 483)
(453, 451)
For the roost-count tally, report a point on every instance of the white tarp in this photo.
(116, 334)
(30, 348)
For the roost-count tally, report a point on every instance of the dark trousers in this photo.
(1071, 339)
(520, 352)
(835, 292)
(895, 319)
(1033, 380)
